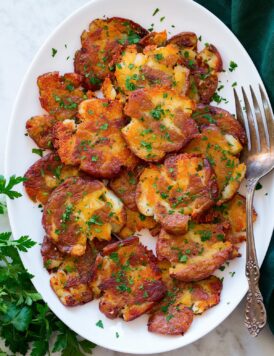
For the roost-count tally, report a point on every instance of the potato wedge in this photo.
(160, 123)
(101, 44)
(129, 280)
(81, 209)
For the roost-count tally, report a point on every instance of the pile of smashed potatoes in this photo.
(152, 154)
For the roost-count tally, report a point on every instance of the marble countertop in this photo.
(24, 25)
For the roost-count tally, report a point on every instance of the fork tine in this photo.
(241, 118)
(269, 119)
(263, 132)
(251, 123)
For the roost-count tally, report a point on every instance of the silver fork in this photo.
(259, 159)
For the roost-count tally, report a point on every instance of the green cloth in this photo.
(252, 21)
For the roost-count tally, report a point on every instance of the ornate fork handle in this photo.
(255, 314)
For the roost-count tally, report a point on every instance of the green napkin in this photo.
(252, 21)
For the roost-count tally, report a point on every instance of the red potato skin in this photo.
(185, 40)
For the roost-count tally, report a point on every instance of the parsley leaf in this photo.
(6, 187)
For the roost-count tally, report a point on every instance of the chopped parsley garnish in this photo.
(142, 217)
(38, 151)
(232, 66)
(157, 112)
(146, 145)
(234, 84)
(94, 158)
(95, 220)
(258, 186)
(168, 317)
(158, 56)
(133, 38)
(70, 87)
(114, 257)
(53, 52)
(162, 19)
(100, 324)
(205, 235)
(117, 335)
(155, 11)
(104, 126)
(182, 258)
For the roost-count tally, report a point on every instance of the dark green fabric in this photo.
(252, 21)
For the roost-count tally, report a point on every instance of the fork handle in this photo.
(255, 314)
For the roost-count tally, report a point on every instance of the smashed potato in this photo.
(196, 254)
(96, 144)
(220, 150)
(129, 280)
(61, 95)
(160, 122)
(81, 209)
(100, 46)
(124, 186)
(183, 187)
(175, 313)
(205, 115)
(71, 281)
(45, 175)
(156, 66)
(154, 39)
(52, 257)
(40, 129)
(136, 221)
(234, 212)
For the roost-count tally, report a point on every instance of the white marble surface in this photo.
(24, 25)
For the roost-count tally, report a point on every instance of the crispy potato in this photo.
(61, 95)
(185, 41)
(234, 212)
(101, 44)
(220, 151)
(45, 175)
(203, 86)
(40, 129)
(52, 257)
(136, 221)
(95, 145)
(124, 186)
(160, 123)
(71, 281)
(108, 89)
(79, 209)
(184, 187)
(153, 67)
(154, 38)
(175, 313)
(196, 254)
(210, 57)
(129, 279)
(205, 115)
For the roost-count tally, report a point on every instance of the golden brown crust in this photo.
(40, 129)
(129, 279)
(220, 152)
(101, 44)
(52, 257)
(61, 95)
(205, 115)
(155, 66)
(160, 122)
(175, 313)
(71, 281)
(185, 40)
(135, 222)
(233, 212)
(96, 144)
(79, 209)
(45, 175)
(196, 254)
(158, 39)
(124, 186)
(185, 186)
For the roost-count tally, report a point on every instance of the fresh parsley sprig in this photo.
(6, 187)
